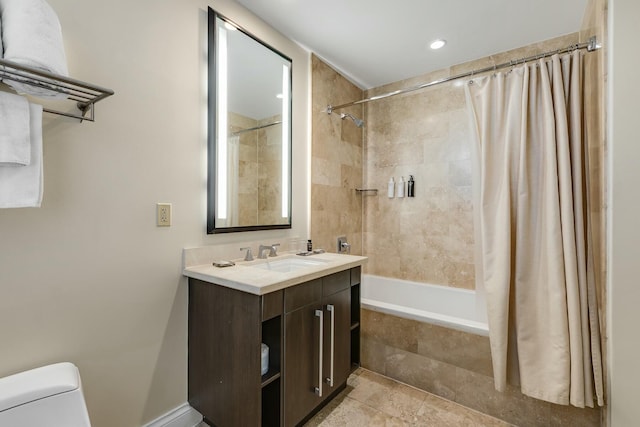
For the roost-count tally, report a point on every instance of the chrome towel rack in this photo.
(84, 94)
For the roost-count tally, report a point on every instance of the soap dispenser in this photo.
(411, 187)
(391, 188)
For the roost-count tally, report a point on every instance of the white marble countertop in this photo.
(244, 277)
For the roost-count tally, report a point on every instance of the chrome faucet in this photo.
(273, 250)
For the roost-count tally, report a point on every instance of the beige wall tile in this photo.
(421, 372)
(457, 366)
(457, 348)
(336, 162)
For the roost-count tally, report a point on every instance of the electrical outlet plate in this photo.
(163, 214)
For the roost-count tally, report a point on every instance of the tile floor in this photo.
(371, 399)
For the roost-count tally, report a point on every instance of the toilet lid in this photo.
(25, 387)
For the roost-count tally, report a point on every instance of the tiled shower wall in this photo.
(429, 237)
(336, 161)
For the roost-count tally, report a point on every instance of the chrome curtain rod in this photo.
(591, 46)
(255, 128)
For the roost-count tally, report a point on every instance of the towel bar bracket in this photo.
(83, 107)
(83, 110)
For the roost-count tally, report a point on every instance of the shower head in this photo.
(357, 121)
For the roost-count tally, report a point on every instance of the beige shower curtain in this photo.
(533, 256)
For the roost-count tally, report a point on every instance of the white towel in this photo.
(15, 145)
(21, 186)
(31, 35)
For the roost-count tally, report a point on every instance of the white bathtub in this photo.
(454, 308)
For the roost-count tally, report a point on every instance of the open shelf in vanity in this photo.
(270, 382)
(355, 317)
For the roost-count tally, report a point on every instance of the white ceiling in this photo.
(374, 42)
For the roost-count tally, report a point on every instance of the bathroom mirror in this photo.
(249, 131)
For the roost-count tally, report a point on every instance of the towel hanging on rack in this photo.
(21, 186)
(1, 49)
(32, 36)
(15, 137)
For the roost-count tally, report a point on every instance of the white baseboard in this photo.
(182, 416)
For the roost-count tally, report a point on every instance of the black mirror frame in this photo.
(211, 131)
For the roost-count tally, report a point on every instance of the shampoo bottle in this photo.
(400, 190)
(391, 188)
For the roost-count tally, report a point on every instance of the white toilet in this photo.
(50, 396)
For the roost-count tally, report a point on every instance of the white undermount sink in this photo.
(287, 265)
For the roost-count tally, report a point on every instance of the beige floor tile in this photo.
(373, 400)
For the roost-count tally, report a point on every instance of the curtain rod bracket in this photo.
(593, 44)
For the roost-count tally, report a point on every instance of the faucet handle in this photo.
(274, 249)
(249, 255)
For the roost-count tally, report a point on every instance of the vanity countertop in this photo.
(244, 276)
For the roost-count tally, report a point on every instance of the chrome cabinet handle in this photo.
(331, 309)
(318, 390)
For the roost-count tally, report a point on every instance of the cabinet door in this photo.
(302, 363)
(337, 340)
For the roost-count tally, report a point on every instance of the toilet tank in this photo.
(49, 396)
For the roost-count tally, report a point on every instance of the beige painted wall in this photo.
(89, 278)
(624, 203)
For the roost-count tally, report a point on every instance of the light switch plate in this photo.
(163, 214)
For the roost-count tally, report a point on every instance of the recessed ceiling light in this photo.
(437, 44)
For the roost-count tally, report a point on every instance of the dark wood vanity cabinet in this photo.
(309, 329)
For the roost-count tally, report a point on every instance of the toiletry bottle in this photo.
(410, 187)
(391, 188)
(400, 190)
(309, 246)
